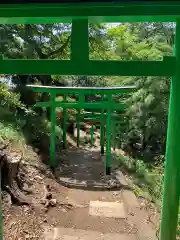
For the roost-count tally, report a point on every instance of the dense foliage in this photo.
(148, 106)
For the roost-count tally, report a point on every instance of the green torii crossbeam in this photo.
(128, 11)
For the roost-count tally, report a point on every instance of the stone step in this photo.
(107, 209)
(77, 234)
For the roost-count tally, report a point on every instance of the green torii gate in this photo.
(105, 106)
(99, 119)
(82, 13)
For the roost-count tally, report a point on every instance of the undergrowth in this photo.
(21, 125)
(146, 180)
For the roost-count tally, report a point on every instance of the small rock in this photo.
(7, 199)
(131, 213)
(78, 206)
(36, 150)
(27, 236)
(63, 210)
(113, 183)
(26, 208)
(38, 177)
(46, 209)
(115, 193)
(53, 202)
(48, 195)
(48, 187)
(43, 201)
(12, 224)
(27, 189)
(142, 205)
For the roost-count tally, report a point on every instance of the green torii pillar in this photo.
(172, 165)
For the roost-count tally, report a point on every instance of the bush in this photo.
(149, 179)
(21, 124)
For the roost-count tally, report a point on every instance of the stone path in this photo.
(105, 209)
(73, 234)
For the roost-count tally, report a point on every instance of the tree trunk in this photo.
(10, 181)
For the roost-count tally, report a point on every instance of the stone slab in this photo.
(107, 209)
(78, 234)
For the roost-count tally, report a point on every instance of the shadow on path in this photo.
(85, 169)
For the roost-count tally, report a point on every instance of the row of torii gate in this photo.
(106, 118)
(80, 14)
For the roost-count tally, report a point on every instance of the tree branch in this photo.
(61, 49)
(38, 50)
